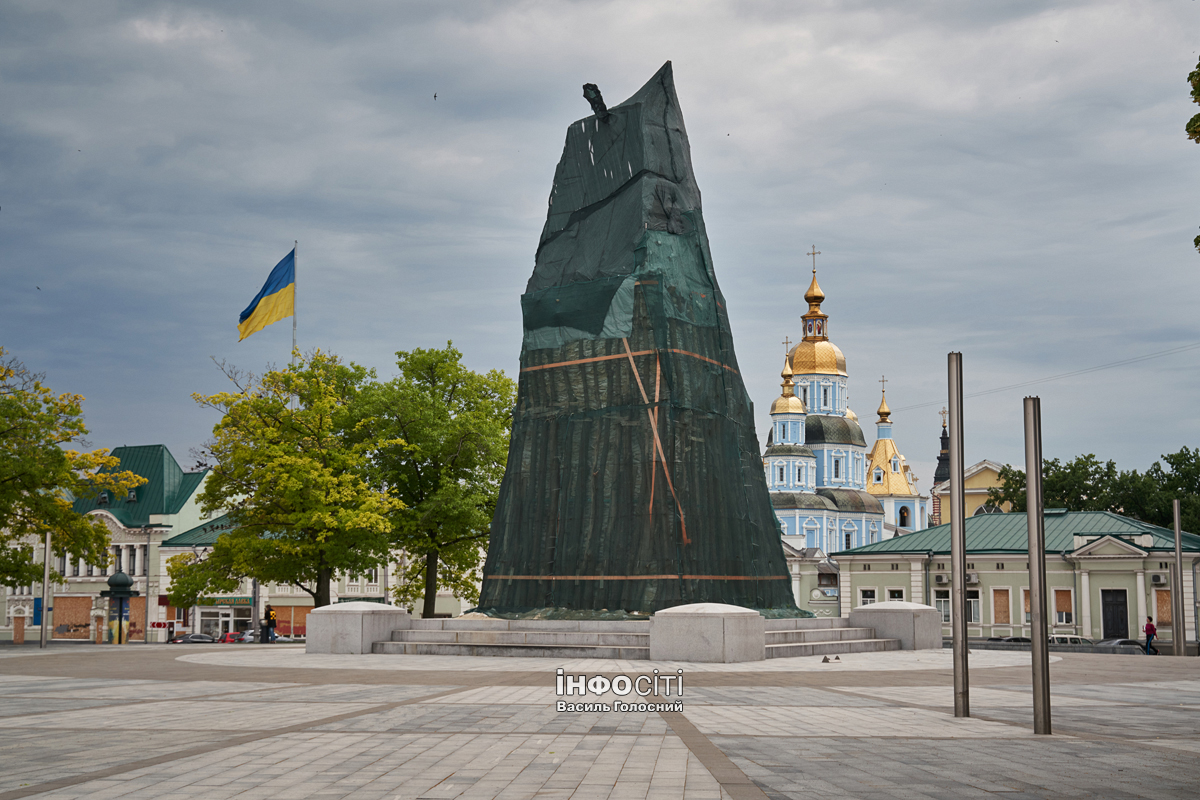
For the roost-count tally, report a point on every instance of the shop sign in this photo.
(226, 601)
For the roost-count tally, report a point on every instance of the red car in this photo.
(230, 638)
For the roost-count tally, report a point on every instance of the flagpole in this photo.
(295, 280)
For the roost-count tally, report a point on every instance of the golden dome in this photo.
(814, 296)
(820, 357)
(850, 415)
(884, 411)
(788, 404)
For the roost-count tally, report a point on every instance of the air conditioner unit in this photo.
(941, 579)
(972, 578)
(1158, 580)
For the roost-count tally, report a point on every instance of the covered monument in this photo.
(634, 480)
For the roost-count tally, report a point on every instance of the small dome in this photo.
(120, 580)
(814, 295)
(820, 357)
(788, 404)
(884, 412)
(850, 415)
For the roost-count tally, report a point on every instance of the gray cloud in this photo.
(1008, 180)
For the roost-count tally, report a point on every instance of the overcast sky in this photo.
(1005, 179)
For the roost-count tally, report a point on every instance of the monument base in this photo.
(352, 627)
(914, 625)
(708, 632)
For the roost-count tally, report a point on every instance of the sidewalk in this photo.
(215, 722)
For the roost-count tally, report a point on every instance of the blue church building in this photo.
(819, 471)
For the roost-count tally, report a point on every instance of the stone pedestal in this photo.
(352, 627)
(708, 632)
(916, 626)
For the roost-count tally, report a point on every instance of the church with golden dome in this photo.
(828, 491)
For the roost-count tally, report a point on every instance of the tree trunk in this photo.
(431, 565)
(324, 578)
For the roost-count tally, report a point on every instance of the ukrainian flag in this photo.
(276, 301)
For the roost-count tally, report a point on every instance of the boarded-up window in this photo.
(1000, 609)
(1163, 603)
(1062, 606)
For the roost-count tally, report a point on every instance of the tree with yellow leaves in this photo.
(40, 477)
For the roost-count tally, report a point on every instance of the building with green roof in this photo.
(1105, 574)
(167, 500)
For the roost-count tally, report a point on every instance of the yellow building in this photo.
(891, 481)
(977, 479)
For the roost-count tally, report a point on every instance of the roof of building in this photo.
(202, 535)
(802, 500)
(1008, 533)
(168, 487)
(788, 450)
(890, 482)
(823, 429)
(855, 500)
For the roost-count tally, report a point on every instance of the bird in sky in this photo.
(435, 95)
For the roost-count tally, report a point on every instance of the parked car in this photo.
(1060, 639)
(246, 636)
(193, 638)
(1024, 639)
(1119, 643)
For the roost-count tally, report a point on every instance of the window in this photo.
(903, 520)
(972, 605)
(877, 476)
(825, 397)
(804, 395)
(75, 568)
(373, 575)
(90, 570)
(117, 559)
(102, 500)
(866, 597)
(1028, 613)
(781, 474)
(848, 541)
(1000, 609)
(133, 554)
(1062, 606)
(131, 496)
(866, 567)
(970, 565)
(999, 565)
(826, 579)
(837, 468)
(895, 594)
(941, 601)
(895, 464)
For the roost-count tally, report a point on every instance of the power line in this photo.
(1112, 365)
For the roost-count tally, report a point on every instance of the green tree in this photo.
(40, 477)
(290, 469)
(1084, 484)
(444, 432)
(1193, 126)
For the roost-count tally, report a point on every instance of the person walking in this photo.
(1151, 632)
(270, 621)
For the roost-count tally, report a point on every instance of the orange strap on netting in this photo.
(653, 415)
(619, 355)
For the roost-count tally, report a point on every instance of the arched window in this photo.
(781, 474)
(837, 468)
(903, 520)
(895, 464)
(877, 476)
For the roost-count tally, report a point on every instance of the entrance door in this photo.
(1115, 613)
(226, 621)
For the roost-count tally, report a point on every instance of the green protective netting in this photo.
(634, 480)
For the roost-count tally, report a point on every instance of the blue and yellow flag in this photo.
(276, 301)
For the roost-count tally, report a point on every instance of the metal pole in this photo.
(958, 542)
(1178, 631)
(46, 593)
(256, 621)
(295, 285)
(1036, 522)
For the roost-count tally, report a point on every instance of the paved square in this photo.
(252, 723)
